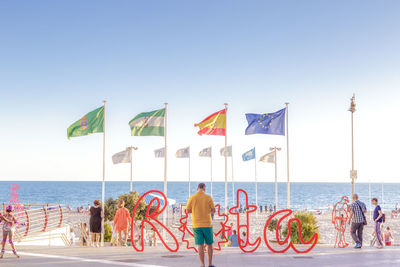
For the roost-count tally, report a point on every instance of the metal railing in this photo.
(36, 218)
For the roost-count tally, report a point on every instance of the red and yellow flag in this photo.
(214, 124)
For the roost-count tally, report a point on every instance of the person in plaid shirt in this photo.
(357, 220)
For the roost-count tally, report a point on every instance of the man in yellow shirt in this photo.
(201, 206)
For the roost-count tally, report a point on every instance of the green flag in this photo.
(148, 123)
(90, 123)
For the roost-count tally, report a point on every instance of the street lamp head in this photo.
(275, 148)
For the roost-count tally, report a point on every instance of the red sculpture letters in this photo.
(244, 242)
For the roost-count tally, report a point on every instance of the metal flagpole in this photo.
(131, 148)
(233, 180)
(189, 171)
(130, 151)
(276, 181)
(104, 170)
(369, 191)
(255, 177)
(287, 155)
(275, 149)
(165, 164)
(383, 195)
(226, 158)
(353, 173)
(211, 176)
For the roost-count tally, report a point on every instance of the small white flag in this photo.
(159, 153)
(122, 157)
(183, 153)
(270, 157)
(228, 151)
(206, 152)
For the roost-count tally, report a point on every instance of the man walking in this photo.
(202, 206)
(357, 220)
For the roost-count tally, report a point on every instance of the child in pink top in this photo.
(8, 223)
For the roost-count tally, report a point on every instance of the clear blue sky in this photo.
(60, 59)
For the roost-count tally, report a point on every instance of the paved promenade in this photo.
(157, 257)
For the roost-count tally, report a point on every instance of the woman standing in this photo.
(96, 215)
(378, 219)
(121, 222)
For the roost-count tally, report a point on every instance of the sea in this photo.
(310, 196)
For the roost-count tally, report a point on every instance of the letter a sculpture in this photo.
(340, 215)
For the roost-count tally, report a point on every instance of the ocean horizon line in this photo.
(195, 181)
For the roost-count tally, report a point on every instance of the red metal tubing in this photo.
(27, 223)
(45, 219)
(61, 216)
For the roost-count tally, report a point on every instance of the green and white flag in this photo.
(93, 122)
(148, 123)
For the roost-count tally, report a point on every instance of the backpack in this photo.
(383, 217)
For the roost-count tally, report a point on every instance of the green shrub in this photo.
(308, 227)
(272, 225)
(111, 206)
(107, 232)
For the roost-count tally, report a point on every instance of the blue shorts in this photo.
(203, 235)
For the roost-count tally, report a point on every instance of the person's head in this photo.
(71, 230)
(96, 202)
(84, 225)
(201, 187)
(374, 201)
(234, 232)
(121, 203)
(388, 228)
(9, 209)
(244, 234)
(355, 197)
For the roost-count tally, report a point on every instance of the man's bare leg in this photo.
(210, 254)
(201, 254)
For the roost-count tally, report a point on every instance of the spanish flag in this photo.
(214, 124)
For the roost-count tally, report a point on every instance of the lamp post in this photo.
(130, 152)
(274, 149)
(353, 173)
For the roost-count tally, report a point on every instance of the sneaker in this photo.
(356, 246)
(1, 254)
(16, 254)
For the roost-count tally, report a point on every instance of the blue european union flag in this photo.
(268, 123)
(251, 154)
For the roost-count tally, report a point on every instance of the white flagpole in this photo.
(255, 177)
(369, 191)
(276, 182)
(211, 176)
(165, 164)
(130, 150)
(226, 158)
(383, 195)
(233, 180)
(287, 155)
(189, 171)
(104, 169)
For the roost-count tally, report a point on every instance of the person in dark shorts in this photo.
(357, 220)
(96, 215)
(202, 206)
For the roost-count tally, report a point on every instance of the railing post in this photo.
(27, 223)
(61, 216)
(45, 218)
